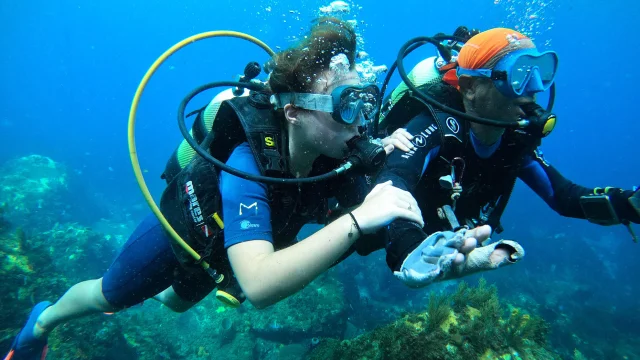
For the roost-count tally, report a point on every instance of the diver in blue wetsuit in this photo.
(303, 126)
(462, 172)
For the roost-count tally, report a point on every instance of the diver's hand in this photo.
(400, 139)
(634, 200)
(384, 204)
(437, 255)
(447, 255)
(460, 249)
(489, 257)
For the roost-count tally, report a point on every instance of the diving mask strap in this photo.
(305, 101)
(474, 72)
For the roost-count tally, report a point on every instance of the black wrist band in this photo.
(355, 222)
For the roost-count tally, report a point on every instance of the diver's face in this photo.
(489, 102)
(320, 130)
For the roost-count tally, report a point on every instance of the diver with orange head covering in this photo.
(462, 172)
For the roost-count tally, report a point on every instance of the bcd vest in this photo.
(486, 183)
(192, 201)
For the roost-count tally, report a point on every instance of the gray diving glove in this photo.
(433, 259)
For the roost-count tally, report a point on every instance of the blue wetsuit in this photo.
(147, 265)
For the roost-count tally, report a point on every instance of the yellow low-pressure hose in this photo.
(132, 122)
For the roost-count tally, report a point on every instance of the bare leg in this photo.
(174, 302)
(80, 300)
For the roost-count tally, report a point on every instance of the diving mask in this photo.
(520, 73)
(345, 104)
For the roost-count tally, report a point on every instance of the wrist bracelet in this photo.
(355, 222)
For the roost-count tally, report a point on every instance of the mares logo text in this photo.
(194, 205)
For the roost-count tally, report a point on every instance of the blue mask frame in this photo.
(520, 73)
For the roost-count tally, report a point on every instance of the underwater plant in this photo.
(468, 324)
(4, 223)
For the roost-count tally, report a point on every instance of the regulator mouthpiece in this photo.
(366, 154)
(251, 71)
(541, 122)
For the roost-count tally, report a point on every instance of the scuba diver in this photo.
(462, 169)
(303, 124)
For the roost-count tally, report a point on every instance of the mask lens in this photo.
(526, 66)
(370, 99)
(350, 106)
(356, 101)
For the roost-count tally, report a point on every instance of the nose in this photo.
(535, 84)
(359, 120)
(523, 100)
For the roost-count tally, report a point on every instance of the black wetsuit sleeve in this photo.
(351, 191)
(405, 170)
(563, 196)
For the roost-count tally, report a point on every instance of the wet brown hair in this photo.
(298, 67)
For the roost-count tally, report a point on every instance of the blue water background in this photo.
(69, 71)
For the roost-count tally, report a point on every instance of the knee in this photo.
(173, 301)
(101, 300)
(177, 304)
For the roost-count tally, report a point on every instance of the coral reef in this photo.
(44, 265)
(318, 310)
(469, 324)
(565, 284)
(33, 190)
(46, 246)
(42, 254)
(4, 223)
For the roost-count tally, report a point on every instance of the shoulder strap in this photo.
(264, 133)
(452, 133)
(451, 130)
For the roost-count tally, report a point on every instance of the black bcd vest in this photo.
(486, 183)
(192, 196)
